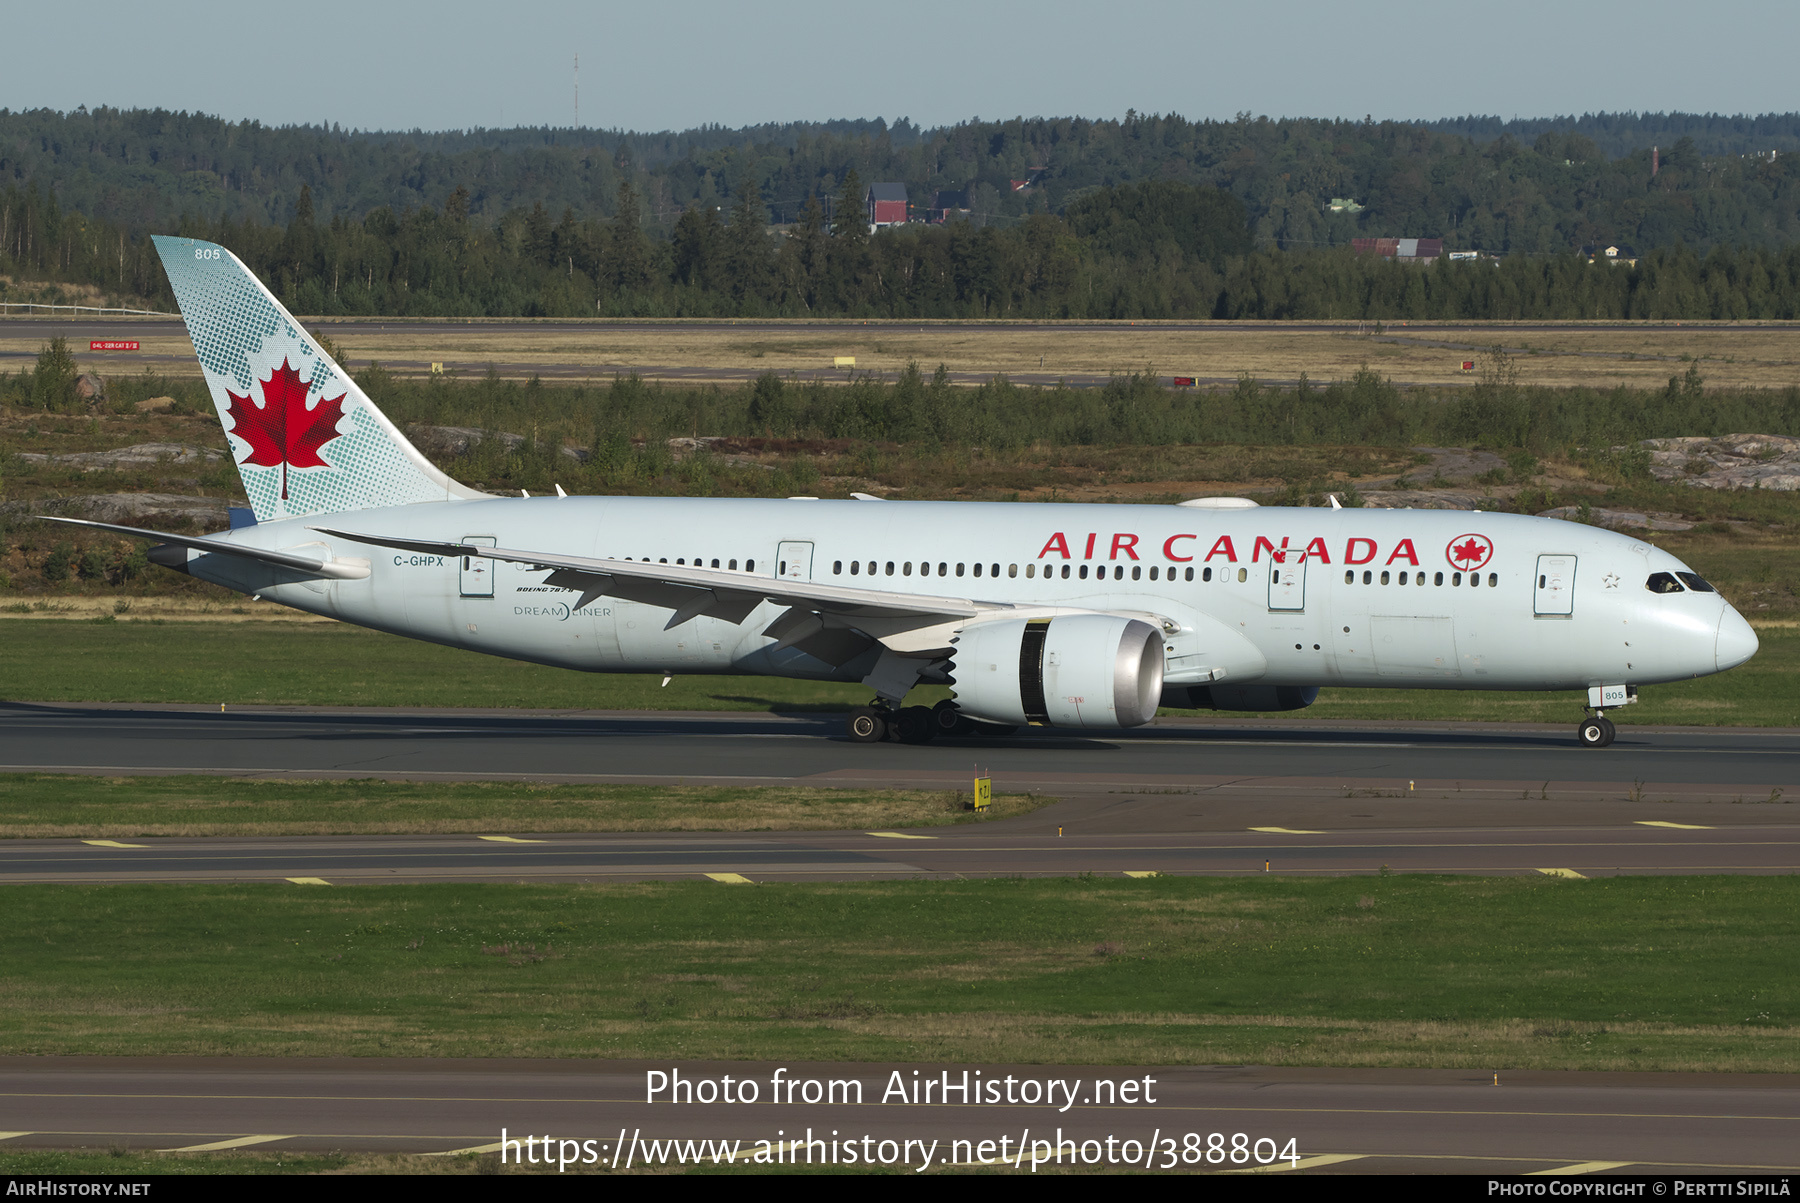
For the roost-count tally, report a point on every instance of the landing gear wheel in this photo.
(1594, 733)
(867, 725)
(1612, 732)
(914, 725)
(947, 719)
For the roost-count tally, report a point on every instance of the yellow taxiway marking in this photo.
(1677, 826)
(1142, 873)
(1563, 873)
(113, 844)
(733, 879)
(301, 881)
(1305, 1163)
(898, 835)
(12, 1135)
(216, 1145)
(1286, 831)
(1583, 1167)
(507, 839)
(493, 1148)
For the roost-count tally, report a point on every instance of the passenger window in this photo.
(1368, 577)
(1137, 574)
(978, 570)
(906, 568)
(1030, 571)
(1438, 579)
(1190, 574)
(1493, 579)
(1456, 578)
(1083, 573)
(749, 565)
(1384, 578)
(1420, 579)
(943, 570)
(680, 561)
(1349, 577)
(1153, 572)
(959, 570)
(1696, 582)
(1662, 582)
(890, 568)
(715, 563)
(1205, 575)
(1065, 572)
(855, 566)
(995, 571)
(734, 566)
(1012, 570)
(1243, 575)
(837, 568)
(1403, 578)
(1474, 580)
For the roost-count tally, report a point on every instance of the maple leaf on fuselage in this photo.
(282, 431)
(1468, 551)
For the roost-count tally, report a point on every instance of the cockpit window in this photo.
(1696, 582)
(1662, 582)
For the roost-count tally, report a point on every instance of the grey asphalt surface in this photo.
(1180, 797)
(1472, 338)
(1339, 1120)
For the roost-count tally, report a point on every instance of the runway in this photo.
(1176, 798)
(1252, 757)
(1329, 1120)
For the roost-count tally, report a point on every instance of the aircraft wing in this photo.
(692, 591)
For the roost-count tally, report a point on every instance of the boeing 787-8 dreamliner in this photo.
(1084, 616)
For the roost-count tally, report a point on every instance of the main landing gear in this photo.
(1596, 731)
(914, 724)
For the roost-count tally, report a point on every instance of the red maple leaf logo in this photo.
(282, 430)
(1472, 551)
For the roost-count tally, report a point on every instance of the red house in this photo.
(887, 206)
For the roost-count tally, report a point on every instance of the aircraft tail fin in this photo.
(306, 438)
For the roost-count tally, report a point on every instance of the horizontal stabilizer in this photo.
(334, 568)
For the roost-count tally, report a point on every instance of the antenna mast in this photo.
(578, 91)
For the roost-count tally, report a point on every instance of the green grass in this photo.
(42, 805)
(315, 664)
(266, 663)
(1623, 973)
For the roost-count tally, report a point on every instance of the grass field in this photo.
(1732, 354)
(39, 806)
(1622, 973)
(274, 663)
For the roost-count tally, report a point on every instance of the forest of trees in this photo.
(1532, 186)
(1143, 218)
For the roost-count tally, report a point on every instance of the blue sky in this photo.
(455, 64)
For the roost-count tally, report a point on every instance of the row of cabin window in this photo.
(905, 568)
(700, 562)
(1456, 578)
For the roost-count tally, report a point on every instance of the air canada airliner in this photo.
(1075, 616)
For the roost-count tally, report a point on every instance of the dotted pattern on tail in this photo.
(242, 334)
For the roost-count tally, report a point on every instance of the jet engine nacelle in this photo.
(1239, 697)
(1074, 670)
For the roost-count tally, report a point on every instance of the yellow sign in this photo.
(984, 792)
(844, 361)
(437, 369)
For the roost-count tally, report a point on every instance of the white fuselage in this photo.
(1274, 596)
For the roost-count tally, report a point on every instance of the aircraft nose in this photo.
(1736, 643)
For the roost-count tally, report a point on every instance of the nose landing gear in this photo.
(1595, 732)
